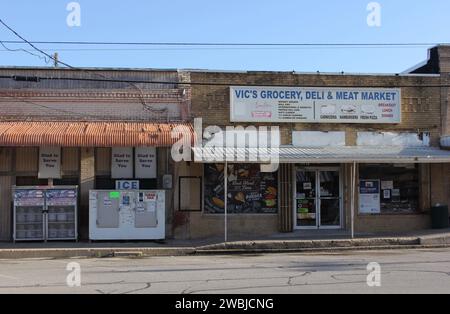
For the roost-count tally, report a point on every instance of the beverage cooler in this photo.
(127, 215)
(45, 213)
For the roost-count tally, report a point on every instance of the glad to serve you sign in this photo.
(315, 105)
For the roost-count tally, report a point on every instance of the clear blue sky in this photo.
(252, 21)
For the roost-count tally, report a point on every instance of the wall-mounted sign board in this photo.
(122, 162)
(49, 163)
(145, 162)
(315, 105)
(127, 185)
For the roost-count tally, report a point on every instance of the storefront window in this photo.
(250, 191)
(398, 186)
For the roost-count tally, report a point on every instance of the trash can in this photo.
(439, 217)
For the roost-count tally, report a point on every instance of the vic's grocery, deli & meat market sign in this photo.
(315, 105)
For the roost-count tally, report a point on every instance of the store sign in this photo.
(127, 185)
(49, 163)
(121, 162)
(369, 197)
(145, 163)
(315, 105)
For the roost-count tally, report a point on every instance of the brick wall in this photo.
(444, 67)
(444, 59)
(57, 105)
(421, 107)
(94, 100)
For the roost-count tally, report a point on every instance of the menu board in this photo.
(249, 190)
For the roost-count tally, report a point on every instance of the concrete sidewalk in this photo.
(294, 242)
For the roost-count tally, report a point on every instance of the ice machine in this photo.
(127, 215)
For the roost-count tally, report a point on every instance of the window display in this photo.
(250, 191)
(399, 185)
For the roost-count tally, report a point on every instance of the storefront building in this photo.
(58, 129)
(359, 153)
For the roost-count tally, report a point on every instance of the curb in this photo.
(311, 244)
(93, 252)
(430, 240)
(318, 250)
(253, 247)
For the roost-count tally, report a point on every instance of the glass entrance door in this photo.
(318, 198)
(329, 199)
(306, 199)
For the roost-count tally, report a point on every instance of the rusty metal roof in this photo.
(91, 134)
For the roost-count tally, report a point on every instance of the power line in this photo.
(57, 61)
(223, 44)
(23, 50)
(274, 48)
(68, 113)
(52, 109)
(227, 84)
(33, 46)
(134, 82)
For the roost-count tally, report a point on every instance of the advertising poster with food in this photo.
(249, 190)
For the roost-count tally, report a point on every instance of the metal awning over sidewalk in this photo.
(91, 134)
(344, 154)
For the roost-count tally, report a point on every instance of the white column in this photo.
(225, 176)
(352, 201)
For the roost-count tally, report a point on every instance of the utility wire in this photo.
(224, 44)
(50, 108)
(24, 50)
(92, 117)
(227, 84)
(33, 46)
(134, 82)
(144, 104)
(217, 49)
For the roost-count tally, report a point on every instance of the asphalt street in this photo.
(401, 271)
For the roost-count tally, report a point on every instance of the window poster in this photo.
(369, 197)
(250, 191)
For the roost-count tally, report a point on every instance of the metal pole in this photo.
(353, 182)
(225, 176)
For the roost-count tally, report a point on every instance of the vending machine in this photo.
(45, 213)
(127, 215)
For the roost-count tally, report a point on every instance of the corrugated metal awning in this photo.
(343, 154)
(91, 134)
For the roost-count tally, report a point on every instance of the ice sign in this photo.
(127, 185)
